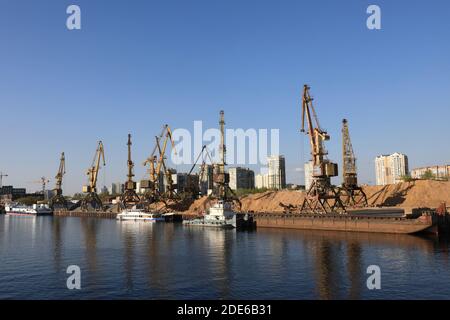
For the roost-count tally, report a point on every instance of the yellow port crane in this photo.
(321, 197)
(58, 199)
(91, 200)
(351, 193)
(129, 196)
(156, 163)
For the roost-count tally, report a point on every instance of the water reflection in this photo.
(169, 261)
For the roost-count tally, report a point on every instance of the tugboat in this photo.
(22, 210)
(219, 215)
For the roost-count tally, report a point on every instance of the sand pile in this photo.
(271, 201)
(414, 194)
(408, 195)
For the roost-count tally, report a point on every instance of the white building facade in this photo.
(389, 169)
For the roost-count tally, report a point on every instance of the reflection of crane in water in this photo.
(89, 226)
(354, 269)
(57, 242)
(327, 268)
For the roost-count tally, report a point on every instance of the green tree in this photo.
(428, 175)
(406, 178)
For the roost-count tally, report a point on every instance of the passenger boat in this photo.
(34, 210)
(138, 215)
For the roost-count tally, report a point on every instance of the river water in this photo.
(127, 260)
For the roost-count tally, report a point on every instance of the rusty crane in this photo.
(321, 197)
(129, 196)
(58, 200)
(91, 200)
(351, 194)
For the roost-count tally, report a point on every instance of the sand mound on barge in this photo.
(408, 195)
(414, 194)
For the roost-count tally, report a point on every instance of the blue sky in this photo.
(136, 65)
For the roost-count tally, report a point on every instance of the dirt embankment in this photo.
(408, 195)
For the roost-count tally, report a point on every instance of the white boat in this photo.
(138, 215)
(219, 215)
(34, 210)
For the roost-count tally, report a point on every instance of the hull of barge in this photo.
(349, 223)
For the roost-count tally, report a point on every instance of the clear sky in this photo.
(136, 65)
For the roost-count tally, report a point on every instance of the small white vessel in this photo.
(138, 215)
(34, 210)
(219, 215)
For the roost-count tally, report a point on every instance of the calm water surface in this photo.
(168, 261)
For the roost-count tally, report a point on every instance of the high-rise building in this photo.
(390, 169)
(262, 181)
(116, 188)
(206, 179)
(277, 172)
(241, 178)
(309, 167)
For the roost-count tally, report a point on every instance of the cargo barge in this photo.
(350, 223)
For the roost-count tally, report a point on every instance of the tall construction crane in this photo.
(2, 175)
(129, 195)
(351, 193)
(58, 199)
(221, 188)
(91, 200)
(43, 182)
(321, 197)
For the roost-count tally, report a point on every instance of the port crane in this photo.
(221, 188)
(58, 199)
(129, 196)
(91, 200)
(156, 163)
(321, 197)
(351, 194)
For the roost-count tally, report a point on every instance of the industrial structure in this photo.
(91, 200)
(58, 200)
(129, 196)
(197, 184)
(154, 188)
(351, 194)
(221, 188)
(43, 181)
(321, 197)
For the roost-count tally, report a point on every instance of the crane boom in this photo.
(61, 173)
(95, 167)
(348, 156)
